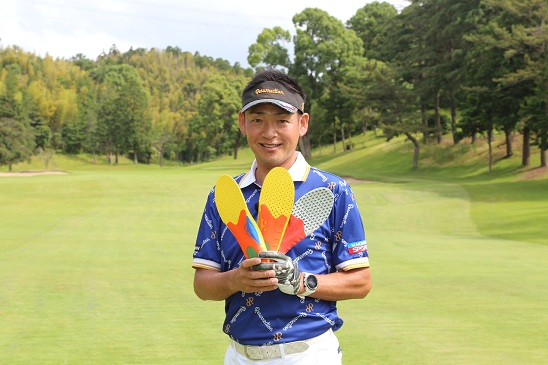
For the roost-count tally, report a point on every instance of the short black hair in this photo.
(271, 74)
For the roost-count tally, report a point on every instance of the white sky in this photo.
(215, 28)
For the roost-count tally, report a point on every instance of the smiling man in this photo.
(282, 311)
(273, 120)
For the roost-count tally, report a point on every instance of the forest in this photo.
(438, 71)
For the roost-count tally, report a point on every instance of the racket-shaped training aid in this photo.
(309, 213)
(235, 214)
(275, 206)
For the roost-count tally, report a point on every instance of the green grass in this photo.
(443, 293)
(95, 264)
(95, 268)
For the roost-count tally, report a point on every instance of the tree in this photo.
(371, 24)
(10, 99)
(518, 34)
(432, 52)
(488, 105)
(270, 49)
(451, 21)
(215, 128)
(322, 47)
(78, 130)
(408, 51)
(375, 86)
(162, 140)
(16, 142)
(526, 39)
(123, 111)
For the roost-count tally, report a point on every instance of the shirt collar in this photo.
(298, 171)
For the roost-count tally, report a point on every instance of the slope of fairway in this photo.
(506, 203)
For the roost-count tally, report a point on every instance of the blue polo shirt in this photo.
(339, 244)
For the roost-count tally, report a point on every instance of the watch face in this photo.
(311, 282)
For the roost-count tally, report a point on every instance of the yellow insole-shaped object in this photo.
(275, 206)
(235, 214)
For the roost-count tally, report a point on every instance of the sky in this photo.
(214, 28)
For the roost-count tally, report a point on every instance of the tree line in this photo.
(439, 69)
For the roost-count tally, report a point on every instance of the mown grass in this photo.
(95, 264)
(443, 293)
(95, 268)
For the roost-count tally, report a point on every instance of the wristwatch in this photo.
(310, 284)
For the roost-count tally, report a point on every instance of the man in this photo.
(282, 311)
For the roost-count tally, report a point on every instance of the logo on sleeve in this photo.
(357, 247)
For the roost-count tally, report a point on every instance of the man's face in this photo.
(272, 134)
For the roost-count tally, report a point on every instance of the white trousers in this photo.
(326, 351)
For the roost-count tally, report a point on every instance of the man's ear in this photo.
(241, 122)
(303, 124)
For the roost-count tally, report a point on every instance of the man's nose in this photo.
(270, 130)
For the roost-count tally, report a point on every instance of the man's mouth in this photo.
(270, 145)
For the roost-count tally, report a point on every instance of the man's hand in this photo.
(248, 280)
(216, 285)
(287, 272)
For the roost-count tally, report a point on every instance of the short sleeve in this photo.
(349, 240)
(207, 251)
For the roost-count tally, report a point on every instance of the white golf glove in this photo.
(287, 271)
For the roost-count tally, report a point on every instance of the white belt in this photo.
(279, 350)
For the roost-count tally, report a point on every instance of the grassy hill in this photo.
(511, 202)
